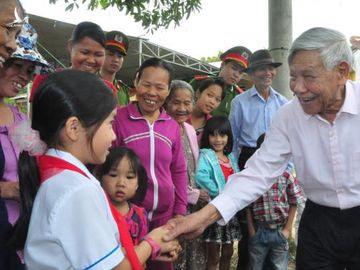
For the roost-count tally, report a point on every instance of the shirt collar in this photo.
(350, 103)
(351, 99)
(69, 158)
(254, 92)
(135, 114)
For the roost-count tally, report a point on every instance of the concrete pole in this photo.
(280, 39)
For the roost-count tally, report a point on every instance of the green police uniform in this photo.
(238, 54)
(118, 42)
(122, 92)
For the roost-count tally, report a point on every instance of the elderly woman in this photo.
(11, 18)
(179, 105)
(15, 74)
(154, 136)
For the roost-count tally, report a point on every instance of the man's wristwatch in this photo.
(155, 248)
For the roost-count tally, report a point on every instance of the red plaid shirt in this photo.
(273, 206)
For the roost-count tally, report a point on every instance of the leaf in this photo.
(152, 14)
(69, 7)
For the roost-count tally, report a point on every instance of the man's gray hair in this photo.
(331, 44)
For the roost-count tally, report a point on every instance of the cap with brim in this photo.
(26, 50)
(261, 58)
(116, 40)
(238, 54)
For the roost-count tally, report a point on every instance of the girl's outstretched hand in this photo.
(169, 250)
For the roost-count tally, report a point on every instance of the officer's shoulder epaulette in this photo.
(121, 83)
(201, 77)
(238, 89)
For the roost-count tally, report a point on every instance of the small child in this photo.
(270, 219)
(72, 225)
(124, 179)
(216, 164)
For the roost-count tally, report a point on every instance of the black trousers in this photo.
(329, 238)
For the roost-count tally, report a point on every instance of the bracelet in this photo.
(155, 248)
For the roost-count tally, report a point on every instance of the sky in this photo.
(218, 26)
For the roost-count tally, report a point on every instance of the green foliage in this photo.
(211, 59)
(152, 14)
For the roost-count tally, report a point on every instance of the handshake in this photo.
(181, 227)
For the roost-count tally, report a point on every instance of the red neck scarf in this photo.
(50, 166)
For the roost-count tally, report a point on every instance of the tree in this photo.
(152, 14)
(212, 59)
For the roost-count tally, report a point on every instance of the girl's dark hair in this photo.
(211, 81)
(90, 30)
(112, 161)
(221, 125)
(61, 95)
(156, 62)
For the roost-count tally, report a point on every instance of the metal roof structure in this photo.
(52, 43)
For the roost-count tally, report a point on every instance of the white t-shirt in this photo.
(71, 225)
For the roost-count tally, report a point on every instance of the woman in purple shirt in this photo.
(154, 136)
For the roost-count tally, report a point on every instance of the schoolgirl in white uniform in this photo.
(71, 225)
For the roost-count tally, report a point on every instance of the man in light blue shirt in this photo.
(252, 111)
(250, 116)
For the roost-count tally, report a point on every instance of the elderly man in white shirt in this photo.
(320, 129)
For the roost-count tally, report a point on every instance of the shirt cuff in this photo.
(193, 195)
(109, 261)
(226, 207)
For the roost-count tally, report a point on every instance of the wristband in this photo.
(155, 248)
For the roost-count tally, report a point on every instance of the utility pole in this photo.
(280, 39)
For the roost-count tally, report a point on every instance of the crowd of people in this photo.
(107, 176)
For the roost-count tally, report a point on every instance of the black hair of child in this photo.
(60, 96)
(212, 81)
(221, 125)
(156, 62)
(113, 160)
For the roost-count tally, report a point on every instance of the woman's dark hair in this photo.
(61, 95)
(156, 62)
(211, 81)
(112, 161)
(90, 30)
(217, 125)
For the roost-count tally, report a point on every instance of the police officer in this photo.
(233, 63)
(117, 44)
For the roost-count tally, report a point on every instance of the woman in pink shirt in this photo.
(154, 136)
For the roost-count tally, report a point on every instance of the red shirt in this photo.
(226, 168)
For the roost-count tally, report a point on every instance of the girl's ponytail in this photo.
(29, 181)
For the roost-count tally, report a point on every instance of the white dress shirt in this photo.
(326, 158)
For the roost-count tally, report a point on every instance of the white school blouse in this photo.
(71, 224)
(326, 157)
